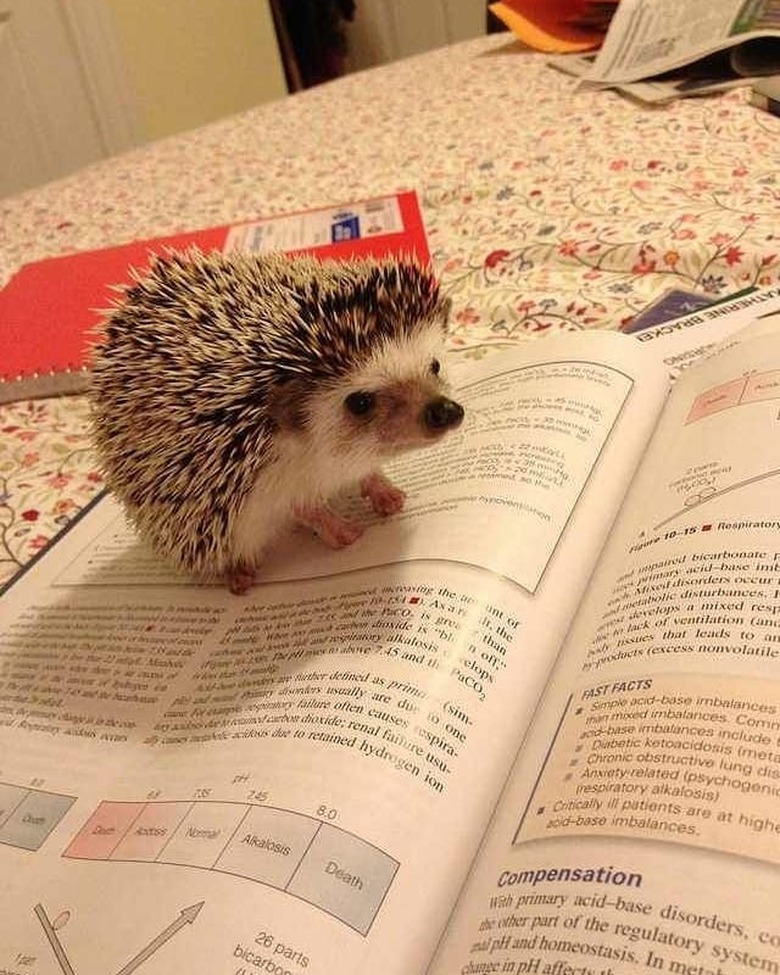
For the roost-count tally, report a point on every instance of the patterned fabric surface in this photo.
(546, 208)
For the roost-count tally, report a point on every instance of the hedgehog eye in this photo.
(360, 404)
(435, 367)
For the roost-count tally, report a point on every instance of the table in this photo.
(546, 209)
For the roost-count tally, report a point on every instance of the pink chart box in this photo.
(98, 837)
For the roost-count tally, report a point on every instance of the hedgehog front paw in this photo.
(335, 531)
(340, 533)
(386, 499)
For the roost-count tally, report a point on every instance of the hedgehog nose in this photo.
(442, 413)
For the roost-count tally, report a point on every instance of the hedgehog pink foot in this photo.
(240, 579)
(333, 529)
(386, 498)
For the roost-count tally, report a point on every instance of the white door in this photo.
(82, 79)
(49, 123)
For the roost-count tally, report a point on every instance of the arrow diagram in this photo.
(54, 941)
(187, 916)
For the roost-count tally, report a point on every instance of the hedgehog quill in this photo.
(236, 395)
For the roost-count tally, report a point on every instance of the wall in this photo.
(191, 61)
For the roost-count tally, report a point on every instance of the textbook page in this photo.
(296, 781)
(639, 831)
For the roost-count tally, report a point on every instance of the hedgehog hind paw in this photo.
(240, 579)
(334, 530)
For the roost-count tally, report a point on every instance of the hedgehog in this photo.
(235, 396)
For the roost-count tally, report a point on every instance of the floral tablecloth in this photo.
(546, 208)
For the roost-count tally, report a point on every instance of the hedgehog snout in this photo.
(442, 414)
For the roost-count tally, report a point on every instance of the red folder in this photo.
(49, 308)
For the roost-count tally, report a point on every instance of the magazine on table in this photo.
(657, 50)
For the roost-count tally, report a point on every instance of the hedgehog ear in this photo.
(287, 404)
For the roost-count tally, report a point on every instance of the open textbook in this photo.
(392, 759)
(657, 50)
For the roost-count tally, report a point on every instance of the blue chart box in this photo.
(345, 226)
(27, 816)
(345, 876)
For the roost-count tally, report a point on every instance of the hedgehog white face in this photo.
(396, 401)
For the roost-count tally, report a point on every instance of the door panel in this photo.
(47, 123)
